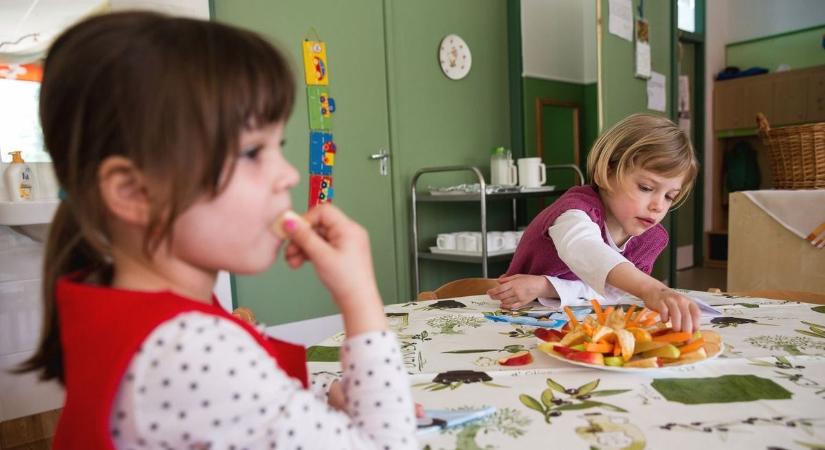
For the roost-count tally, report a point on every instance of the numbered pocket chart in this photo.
(320, 107)
(321, 153)
(320, 189)
(315, 63)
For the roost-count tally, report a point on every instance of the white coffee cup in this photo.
(446, 241)
(468, 242)
(531, 172)
(495, 241)
(510, 239)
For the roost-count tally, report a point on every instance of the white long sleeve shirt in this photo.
(204, 382)
(579, 243)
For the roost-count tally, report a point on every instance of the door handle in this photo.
(382, 156)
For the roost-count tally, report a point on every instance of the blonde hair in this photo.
(643, 141)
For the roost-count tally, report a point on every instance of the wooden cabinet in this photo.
(816, 96)
(789, 99)
(785, 98)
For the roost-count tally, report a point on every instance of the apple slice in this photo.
(521, 358)
(627, 342)
(587, 357)
(548, 334)
(644, 363)
(642, 347)
(603, 332)
(562, 350)
(641, 335)
(697, 355)
(574, 337)
(615, 361)
(668, 351)
(712, 336)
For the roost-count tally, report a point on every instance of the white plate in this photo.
(555, 355)
(442, 251)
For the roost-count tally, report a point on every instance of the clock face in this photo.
(454, 57)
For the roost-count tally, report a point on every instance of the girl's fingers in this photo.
(664, 312)
(504, 279)
(499, 290)
(696, 315)
(675, 315)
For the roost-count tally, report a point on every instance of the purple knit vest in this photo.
(536, 253)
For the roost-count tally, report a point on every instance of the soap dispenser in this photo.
(19, 178)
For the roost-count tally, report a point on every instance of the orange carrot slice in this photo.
(573, 321)
(691, 346)
(601, 347)
(597, 308)
(628, 314)
(676, 336)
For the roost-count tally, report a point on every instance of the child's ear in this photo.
(123, 190)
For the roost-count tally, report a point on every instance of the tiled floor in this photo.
(701, 278)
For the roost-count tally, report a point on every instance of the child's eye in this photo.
(669, 198)
(251, 152)
(644, 188)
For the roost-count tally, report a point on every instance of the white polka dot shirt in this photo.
(200, 381)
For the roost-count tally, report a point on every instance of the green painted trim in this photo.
(774, 36)
(700, 18)
(674, 112)
(211, 9)
(515, 61)
(699, 102)
(740, 132)
(233, 288)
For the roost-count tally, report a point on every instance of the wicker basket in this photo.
(797, 154)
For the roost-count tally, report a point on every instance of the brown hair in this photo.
(643, 141)
(170, 94)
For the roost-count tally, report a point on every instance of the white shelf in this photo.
(27, 212)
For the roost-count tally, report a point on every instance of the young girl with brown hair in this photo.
(601, 240)
(166, 137)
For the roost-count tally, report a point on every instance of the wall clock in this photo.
(454, 57)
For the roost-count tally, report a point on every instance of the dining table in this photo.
(764, 390)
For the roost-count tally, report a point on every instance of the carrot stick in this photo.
(636, 320)
(601, 347)
(629, 314)
(608, 312)
(695, 345)
(677, 336)
(597, 308)
(573, 321)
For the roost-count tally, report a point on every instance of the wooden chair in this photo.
(460, 288)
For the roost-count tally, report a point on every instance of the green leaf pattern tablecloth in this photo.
(765, 391)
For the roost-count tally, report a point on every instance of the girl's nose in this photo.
(288, 178)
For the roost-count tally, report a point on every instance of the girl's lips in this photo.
(645, 221)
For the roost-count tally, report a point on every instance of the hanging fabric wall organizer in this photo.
(320, 107)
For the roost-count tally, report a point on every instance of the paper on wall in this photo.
(620, 18)
(656, 92)
(642, 59)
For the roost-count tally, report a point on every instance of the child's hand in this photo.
(518, 290)
(339, 249)
(336, 397)
(683, 314)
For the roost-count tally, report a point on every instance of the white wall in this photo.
(559, 40)
(749, 19)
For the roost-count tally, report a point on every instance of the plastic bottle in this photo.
(19, 179)
(499, 172)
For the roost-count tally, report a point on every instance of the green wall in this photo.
(435, 121)
(624, 94)
(798, 49)
(585, 95)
